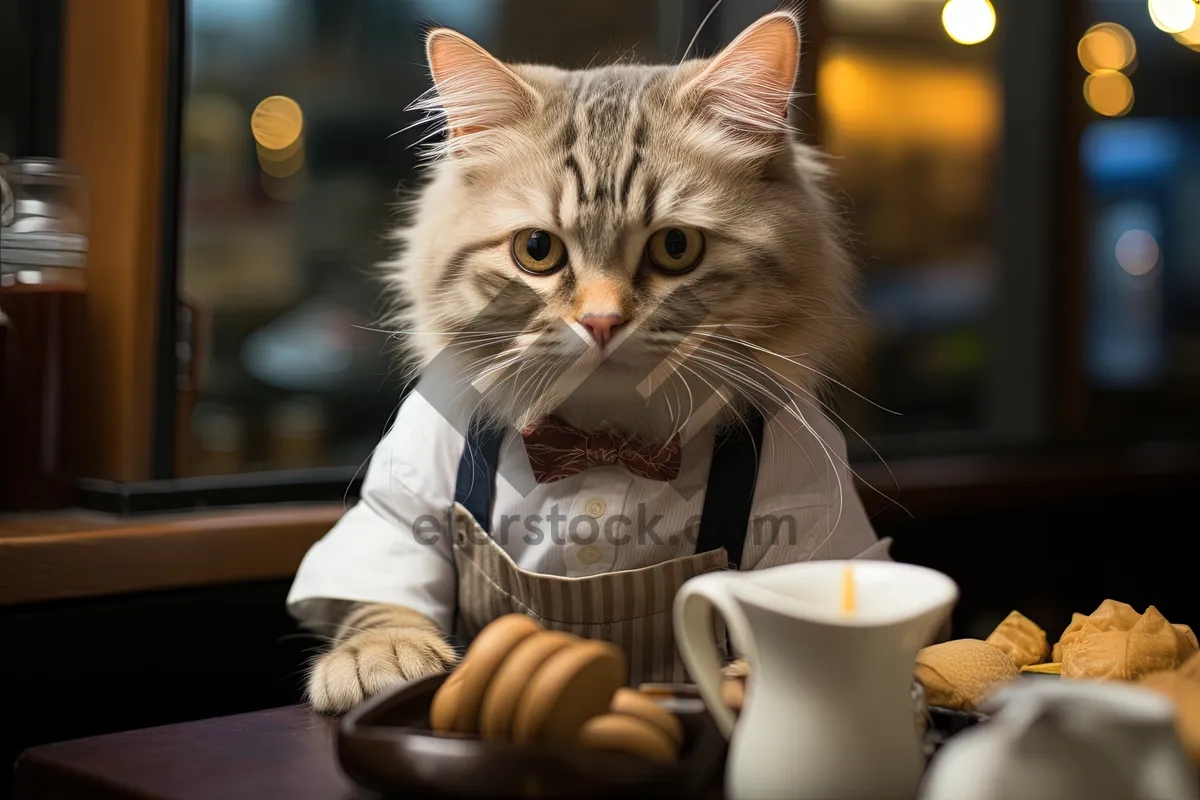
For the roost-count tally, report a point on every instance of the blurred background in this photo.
(1019, 182)
(964, 263)
(1023, 182)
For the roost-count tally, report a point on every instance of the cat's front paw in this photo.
(374, 661)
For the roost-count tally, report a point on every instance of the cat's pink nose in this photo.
(601, 326)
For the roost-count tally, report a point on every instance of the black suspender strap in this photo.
(477, 472)
(729, 496)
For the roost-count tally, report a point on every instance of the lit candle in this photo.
(848, 590)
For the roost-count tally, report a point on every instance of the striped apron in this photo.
(631, 608)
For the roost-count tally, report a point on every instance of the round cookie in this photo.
(483, 658)
(507, 685)
(961, 673)
(635, 704)
(444, 709)
(574, 685)
(627, 734)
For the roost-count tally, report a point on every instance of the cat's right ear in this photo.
(748, 85)
(475, 91)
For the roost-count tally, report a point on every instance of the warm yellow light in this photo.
(1172, 16)
(969, 21)
(1190, 37)
(1107, 45)
(276, 123)
(1108, 92)
(1137, 252)
(893, 101)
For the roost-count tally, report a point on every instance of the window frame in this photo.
(112, 101)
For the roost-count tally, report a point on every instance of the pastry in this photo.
(961, 673)
(1187, 717)
(572, 686)
(1109, 615)
(479, 665)
(628, 734)
(1149, 645)
(1182, 686)
(1190, 669)
(1022, 639)
(635, 704)
(507, 685)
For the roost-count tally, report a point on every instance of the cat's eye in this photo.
(675, 250)
(537, 251)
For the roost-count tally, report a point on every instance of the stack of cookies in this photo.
(522, 683)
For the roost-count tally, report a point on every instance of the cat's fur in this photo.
(604, 157)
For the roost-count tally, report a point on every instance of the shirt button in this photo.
(589, 555)
(595, 508)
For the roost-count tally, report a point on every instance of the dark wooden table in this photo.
(279, 753)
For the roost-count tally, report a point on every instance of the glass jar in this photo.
(48, 197)
(43, 315)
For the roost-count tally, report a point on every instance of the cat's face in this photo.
(616, 244)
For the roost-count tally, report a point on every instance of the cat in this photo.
(617, 212)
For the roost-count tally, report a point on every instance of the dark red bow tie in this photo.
(557, 450)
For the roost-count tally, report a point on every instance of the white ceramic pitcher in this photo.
(828, 712)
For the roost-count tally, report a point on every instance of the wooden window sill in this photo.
(75, 554)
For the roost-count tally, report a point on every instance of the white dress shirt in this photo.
(395, 545)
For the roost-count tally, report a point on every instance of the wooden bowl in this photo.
(386, 746)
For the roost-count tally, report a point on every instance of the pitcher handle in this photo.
(694, 605)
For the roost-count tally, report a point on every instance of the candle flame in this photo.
(848, 590)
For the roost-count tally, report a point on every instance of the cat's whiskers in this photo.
(453, 333)
(787, 403)
(798, 363)
(682, 421)
(536, 408)
(722, 394)
(789, 399)
(817, 404)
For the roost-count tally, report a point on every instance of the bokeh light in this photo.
(1107, 46)
(1172, 16)
(1108, 92)
(277, 122)
(969, 21)
(1190, 37)
(1137, 252)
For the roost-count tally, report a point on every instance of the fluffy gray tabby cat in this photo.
(602, 159)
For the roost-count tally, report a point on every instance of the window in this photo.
(914, 120)
(1027, 260)
(1139, 77)
(275, 258)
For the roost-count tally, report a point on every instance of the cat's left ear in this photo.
(748, 85)
(473, 88)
